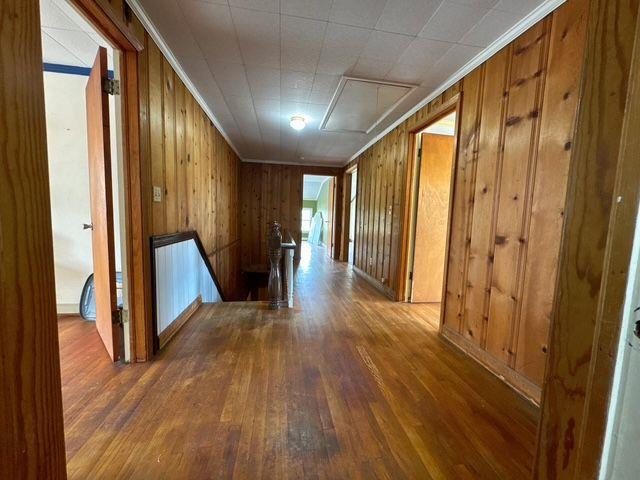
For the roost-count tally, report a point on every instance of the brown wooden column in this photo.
(32, 437)
(600, 214)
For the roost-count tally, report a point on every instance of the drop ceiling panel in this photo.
(315, 9)
(406, 16)
(258, 62)
(359, 105)
(452, 21)
(361, 13)
(67, 38)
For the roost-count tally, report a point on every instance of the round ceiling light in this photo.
(298, 122)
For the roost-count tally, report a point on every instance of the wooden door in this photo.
(432, 217)
(98, 134)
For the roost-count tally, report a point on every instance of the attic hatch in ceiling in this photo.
(359, 104)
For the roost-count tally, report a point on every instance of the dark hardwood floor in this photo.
(346, 385)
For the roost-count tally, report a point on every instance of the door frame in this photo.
(409, 196)
(104, 19)
(336, 173)
(346, 211)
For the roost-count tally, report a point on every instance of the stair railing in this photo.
(281, 259)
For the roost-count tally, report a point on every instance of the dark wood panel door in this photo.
(98, 134)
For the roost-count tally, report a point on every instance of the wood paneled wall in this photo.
(188, 158)
(31, 427)
(516, 127)
(274, 192)
(601, 212)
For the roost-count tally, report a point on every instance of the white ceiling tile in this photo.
(264, 82)
(316, 9)
(325, 83)
(320, 98)
(298, 80)
(295, 94)
(231, 78)
(213, 30)
(385, 46)
(424, 52)
(51, 16)
(259, 36)
(478, 3)
(518, 6)
(345, 40)
(456, 58)
(492, 25)
(272, 6)
(406, 16)
(405, 73)
(452, 21)
(71, 12)
(336, 63)
(371, 68)
(54, 52)
(301, 43)
(361, 13)
(77, 42)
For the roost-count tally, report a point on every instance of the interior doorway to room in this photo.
(85, 173)
(317, 212)
(434, 158)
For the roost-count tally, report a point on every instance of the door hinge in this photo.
(111, 86)
(117, 318)
(410, 275)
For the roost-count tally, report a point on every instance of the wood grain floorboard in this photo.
(346, 385)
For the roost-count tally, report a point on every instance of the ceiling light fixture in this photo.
(298, 122)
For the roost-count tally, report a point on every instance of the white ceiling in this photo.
(255, 63)
(311, 186)
(67, 38)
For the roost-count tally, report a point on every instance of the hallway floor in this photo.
(345, 385)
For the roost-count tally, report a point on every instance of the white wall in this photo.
(181, 275)
(69, 183)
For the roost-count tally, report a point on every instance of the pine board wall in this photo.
(516, 127)
(274, 192)
(188, 158)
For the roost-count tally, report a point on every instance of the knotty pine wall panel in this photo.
(189, 159)
(516, 125)
(274, 192)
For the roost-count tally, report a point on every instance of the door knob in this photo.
(87, 226)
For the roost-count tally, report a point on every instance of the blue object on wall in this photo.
(71, 69)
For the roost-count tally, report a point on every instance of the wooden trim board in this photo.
(386, 291)
(175, 326)
(520, 384)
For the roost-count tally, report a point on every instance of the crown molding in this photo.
(337, 164)
(506, 38)
(150, 27)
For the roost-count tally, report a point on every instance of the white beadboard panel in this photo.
(181, 276)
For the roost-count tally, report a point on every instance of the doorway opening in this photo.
(318, 213)
(430, 206)
(84, 143)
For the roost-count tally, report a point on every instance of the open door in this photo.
(432, 217)
(104, 270)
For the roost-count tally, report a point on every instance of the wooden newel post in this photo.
(275, 254)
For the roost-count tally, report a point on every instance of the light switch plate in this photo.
(157, 194)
